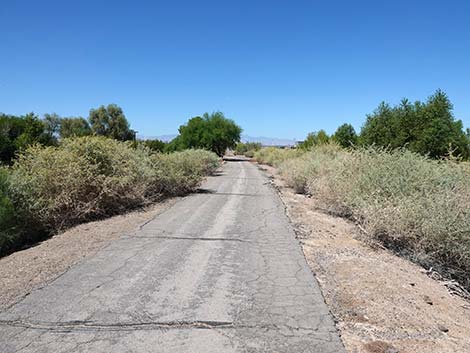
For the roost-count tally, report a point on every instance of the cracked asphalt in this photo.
(219, 271)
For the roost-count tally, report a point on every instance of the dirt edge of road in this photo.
(35, 267)
(382, 303)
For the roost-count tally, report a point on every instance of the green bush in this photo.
(413, 204)
(15, 230)
(7, 213)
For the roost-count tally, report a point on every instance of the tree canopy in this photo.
(427, 128)
(111, 122)
(18, 132)
(315, 138)
(74, 127)
(213, 132)
(345, 136)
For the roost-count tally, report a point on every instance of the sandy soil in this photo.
(34, 267)
(382, 303)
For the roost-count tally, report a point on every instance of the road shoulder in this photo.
(382, 303)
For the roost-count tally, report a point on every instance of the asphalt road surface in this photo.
(219, 271)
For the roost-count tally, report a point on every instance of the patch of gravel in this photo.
(382, 303)
(37, 266)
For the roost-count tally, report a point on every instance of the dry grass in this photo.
(275, 156)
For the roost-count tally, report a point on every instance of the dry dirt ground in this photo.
(37, 266)
(382, 303)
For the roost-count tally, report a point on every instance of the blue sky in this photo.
(278, 68)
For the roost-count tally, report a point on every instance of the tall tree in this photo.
(74, 127)
(18, 132)
(213, 132)
(345, 136)
(52, 125)
(427, 128)
(110, 121)
(315, 138)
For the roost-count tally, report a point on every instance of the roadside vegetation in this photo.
(58, 172)
(413, 196)
(412, 204)
(248, 148)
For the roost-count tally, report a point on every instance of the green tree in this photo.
(427, 128)
(213, 132)
(315, 138)
(34, 131)
(174, 145)
(18, 132)
(345, 136)
(11, 127)
(110, 121)
(74, 127)
(154, 145)
(52, 125)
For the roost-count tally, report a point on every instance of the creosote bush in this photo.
(415, 205)
(87, 178)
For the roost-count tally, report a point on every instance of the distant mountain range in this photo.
(269, 141)
(164, 138)
(265, 141)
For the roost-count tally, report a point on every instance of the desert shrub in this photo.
(15, 229)
(275, 156)
(85, 178)
(207, 160)
(300, 172)
(181, 172)
(418, 206)
(248, 148)
(82, 179)
(250, 153)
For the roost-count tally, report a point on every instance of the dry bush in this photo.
(181, 172)
(300, 172)
(415, 205)
(82, 179)
(275, 156)
(91, 177)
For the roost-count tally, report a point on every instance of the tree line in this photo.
(428, 128)
(19, 132)
(213, 132)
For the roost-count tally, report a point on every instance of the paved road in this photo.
(219, 271)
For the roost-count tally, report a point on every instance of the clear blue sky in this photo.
(279, 68)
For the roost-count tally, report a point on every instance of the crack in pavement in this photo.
(232, 194)
(68, 326)
(189, 238)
